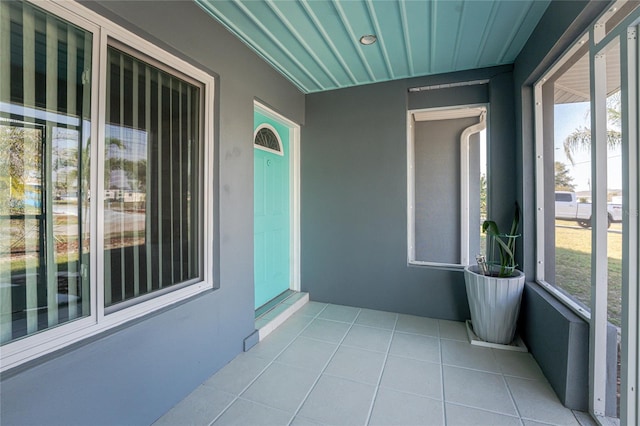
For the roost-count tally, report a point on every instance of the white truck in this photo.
(569, 208)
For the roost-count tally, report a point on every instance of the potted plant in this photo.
(494, 286)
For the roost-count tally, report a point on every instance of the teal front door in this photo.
(272, 263)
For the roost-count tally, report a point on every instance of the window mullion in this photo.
(148, 195)
(102, 292)
(599, 274)
(161, 181)
(136, 189)
(181, 198)
(121, 191)
(630, 163)
(72, 276)
(28, 79)
(171, 144)
(540, 210)
(87, 171)
(52, 105)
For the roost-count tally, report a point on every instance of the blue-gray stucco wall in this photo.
(136, 374)
(354, 192)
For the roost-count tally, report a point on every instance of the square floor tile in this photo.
(295, 324)
(453, 330)
(356, 364)
(272, 345)
(413, 376)
(378, 319)
(236, 376)
(372, 339)
(464, 354)
(417, 325)
(243, 413)
(424, 348)
(477, 389)
(329, 331)
(201, 407)
(339, 313)
(308, 353)
(537, 401)
(337, 401)
(393, 408)
(281, 386)
(518, 364)
(466, 416)
(326, 360)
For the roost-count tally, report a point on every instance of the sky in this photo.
(569, 117)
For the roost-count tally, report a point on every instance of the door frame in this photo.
(294, 189)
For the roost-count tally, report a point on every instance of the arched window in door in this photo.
(267, 139)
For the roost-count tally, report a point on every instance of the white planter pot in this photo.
(494, 304)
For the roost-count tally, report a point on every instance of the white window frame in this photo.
(598, 40)
(439, 113)
(31, 347)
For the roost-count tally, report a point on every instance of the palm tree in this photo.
(580, 138)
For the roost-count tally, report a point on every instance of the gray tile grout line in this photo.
(444, 403)
(384, 365)
(513, 416)
(405, 392)
(479, 370)
(575, 417)
(477, 408)
(506, 383)
(313, 386)
(265, 368)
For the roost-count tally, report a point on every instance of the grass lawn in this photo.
(573, 265)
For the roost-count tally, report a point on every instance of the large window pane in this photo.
(569, 183)
(152, 169)
(44, 111)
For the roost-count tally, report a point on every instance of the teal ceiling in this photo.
(315, 43)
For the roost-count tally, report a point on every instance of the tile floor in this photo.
(338, 365)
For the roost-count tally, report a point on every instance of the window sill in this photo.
(436, 265)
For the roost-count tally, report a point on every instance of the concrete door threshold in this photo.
(274, 317)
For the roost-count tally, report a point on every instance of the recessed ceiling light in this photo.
(368, 39)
